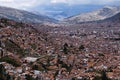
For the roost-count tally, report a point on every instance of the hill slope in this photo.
(115, 18)
(24, 16)
(101, 14)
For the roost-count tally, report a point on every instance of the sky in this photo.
(27, 4)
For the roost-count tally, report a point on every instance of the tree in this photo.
(81, 47)
(104, 76)
(2, 71)
(65, 48)
(35, 67)
(28, 77)
(56, 73)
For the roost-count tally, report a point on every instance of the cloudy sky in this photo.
(26, 4)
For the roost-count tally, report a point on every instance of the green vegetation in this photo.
(13, 47)
(64, 65)
(28, 77)
(3, 76)
(1, 72)
(11, 23)
(10, 61)
(81, 47)
(102, 77)
(74, 78)
(101, 54)
(33, 46)
(56, 73)
(97, 78)
(38, 67)
(65, 48)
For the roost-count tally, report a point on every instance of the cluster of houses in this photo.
(86, 54)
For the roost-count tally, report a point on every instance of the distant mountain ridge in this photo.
(114, 18)
(60, 11)
(24, 16)
(101, 14)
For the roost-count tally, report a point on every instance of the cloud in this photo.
(86, 1)
(26, 4)
(22, 4)
(58, 1)
(6, 1)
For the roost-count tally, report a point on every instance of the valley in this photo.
(59, 51)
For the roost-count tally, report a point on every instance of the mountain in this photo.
(113, 21)
(101, 14)
(24, 16)
(61, 11)
(115, 18)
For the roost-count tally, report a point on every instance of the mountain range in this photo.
(24, 16)
(34, 17)
(100, 14)
(61, 11)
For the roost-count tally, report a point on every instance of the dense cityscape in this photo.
(81, 47)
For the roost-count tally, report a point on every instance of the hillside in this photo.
(115, 18)
(24, 16)
(101, 14)
(20, 38)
